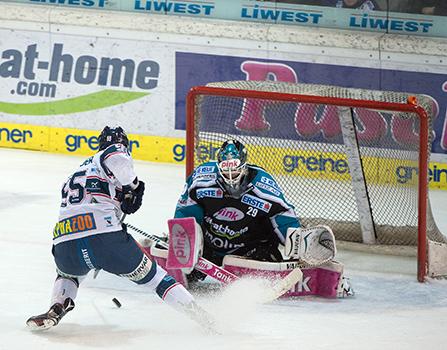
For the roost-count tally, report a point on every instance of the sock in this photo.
(64, 288)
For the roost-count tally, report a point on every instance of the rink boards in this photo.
(293, 162)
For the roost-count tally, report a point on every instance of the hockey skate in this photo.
(50, 318)
(345, 288)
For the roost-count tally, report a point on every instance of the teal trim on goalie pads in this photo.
(185, 206)
(189, 211)
(282, 223)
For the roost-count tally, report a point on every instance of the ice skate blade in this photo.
(35, 326)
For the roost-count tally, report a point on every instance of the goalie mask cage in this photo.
(353, 159)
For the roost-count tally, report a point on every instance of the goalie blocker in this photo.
(314, 246)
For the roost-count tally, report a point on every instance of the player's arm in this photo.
(116, 161)
(314, 245)
(283, 221)
(282, 214)
(187, 205)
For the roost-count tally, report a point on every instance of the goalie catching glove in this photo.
(132, 197)
(315, 245)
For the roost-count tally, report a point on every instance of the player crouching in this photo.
(235, 215)
(90, 234)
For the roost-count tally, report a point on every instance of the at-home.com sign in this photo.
(200, 69)
(31, 74)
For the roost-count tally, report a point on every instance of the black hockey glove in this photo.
(265, 252)
(132, 198)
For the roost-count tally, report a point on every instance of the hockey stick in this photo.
(203, 265)
(218, 273)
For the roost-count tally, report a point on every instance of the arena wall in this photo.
(65, 73)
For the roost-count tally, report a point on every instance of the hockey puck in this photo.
(116, 302)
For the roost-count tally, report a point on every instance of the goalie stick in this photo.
(207, 267)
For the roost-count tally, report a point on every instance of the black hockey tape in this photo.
(116, 302)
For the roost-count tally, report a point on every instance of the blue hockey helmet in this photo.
(232, 162)
(110, 136)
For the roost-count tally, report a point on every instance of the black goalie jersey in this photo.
(260, 215)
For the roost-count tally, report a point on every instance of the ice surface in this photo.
(390, 310)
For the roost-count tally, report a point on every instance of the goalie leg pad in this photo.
(321, 281)
(185, 244)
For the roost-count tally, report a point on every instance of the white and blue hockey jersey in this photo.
(91, 197)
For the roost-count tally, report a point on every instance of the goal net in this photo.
(354, 159)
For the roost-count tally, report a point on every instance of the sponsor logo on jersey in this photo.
(268, 188)
(270, 182)
(222, 243)
(205, 169)
(229, 214)
(209, 192)
(205, 177)
(256, 202)
(74, 224)
(108, 220)
(224, 231)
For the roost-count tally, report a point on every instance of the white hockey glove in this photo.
(313, 245)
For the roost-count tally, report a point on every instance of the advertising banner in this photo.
(74, 81)
(271, 12)
(58, 90)
(199, 69)
(85, 142)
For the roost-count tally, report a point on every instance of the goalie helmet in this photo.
(232, 162)
(110, 136)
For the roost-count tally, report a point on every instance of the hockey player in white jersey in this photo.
(90, 235)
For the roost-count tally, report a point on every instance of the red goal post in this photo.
(341, 155)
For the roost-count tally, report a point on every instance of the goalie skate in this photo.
(50, 318)
(345, 289)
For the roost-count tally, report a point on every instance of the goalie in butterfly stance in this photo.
(90, 234)
(244, 219)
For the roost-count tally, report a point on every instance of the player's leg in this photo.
(122, 256)
(70, 269)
